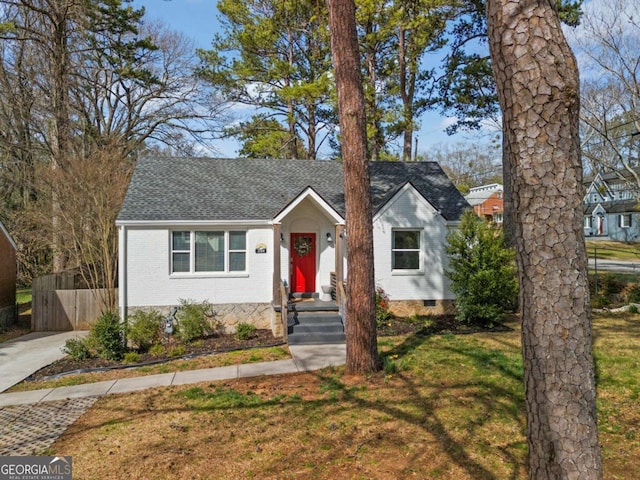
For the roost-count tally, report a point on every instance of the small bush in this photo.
(245, 330)
(195, 320)
(144, 329)
(131, 357)
(389, 366)
(633, 309)
(106, 336)
(600, 301)
(156, 350)
(177, 351)
(383, 315)
(634, 294)
(76, 349)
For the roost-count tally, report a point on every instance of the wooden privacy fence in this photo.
(58, 304)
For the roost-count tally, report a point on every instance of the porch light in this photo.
(329, 237)
(281, 237)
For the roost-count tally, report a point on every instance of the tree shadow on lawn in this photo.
(455, 413)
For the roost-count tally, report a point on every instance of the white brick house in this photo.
(230, 231)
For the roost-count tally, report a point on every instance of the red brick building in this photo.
(488, 202)
(8, 275)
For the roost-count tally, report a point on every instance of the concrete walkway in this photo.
(31, 421)
(25, 355)
(305, 358)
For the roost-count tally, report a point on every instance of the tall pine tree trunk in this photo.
(538, 89)
(362, 349)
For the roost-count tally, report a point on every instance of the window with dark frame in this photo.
(624, 220)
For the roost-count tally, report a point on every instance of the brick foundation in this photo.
(261, 315)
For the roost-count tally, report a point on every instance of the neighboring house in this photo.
(8, 278)
(488, 202)
(611, 207)
(230, 231)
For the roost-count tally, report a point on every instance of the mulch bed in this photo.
(203, 346)
(439, 325)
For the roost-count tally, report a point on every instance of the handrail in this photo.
(341, 298)
(284, 311)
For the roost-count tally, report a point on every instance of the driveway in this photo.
(25, 355)
(623, 266)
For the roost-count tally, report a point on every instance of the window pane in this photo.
(237, 241)
(180, 262)
(209, 251)
(406, 239)
(406, 260)
(237, 262)
(181, 240)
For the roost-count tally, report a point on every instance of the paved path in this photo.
(31, 421)
(25, 355)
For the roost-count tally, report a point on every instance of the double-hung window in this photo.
(405, 250)
(208, 251)
(588, 221)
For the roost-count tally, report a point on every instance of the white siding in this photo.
(150, 283)
(408, 209)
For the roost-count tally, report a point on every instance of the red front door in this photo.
(303, 262)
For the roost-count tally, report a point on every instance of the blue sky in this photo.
(198, 19)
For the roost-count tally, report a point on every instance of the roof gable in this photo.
(6, 234)
(317, 199)
(410, 189)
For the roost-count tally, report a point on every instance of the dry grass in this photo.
(613, 250)
(447, 407)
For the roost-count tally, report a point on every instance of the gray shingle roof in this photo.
(212, 189)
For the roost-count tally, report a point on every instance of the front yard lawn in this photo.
(446, 406)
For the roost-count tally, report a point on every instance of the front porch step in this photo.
(315, 327)
(313, 306)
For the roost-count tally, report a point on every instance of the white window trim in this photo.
(192, 273)
(399, 271)
(588, 222)
(623, 220)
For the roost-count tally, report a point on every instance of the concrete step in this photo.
(309, 328)
(319, 318)
(316, 338)
(334, 327)
(315, 306)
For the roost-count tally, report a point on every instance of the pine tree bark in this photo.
(538, 90)
(362, 349)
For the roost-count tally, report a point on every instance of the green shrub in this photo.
(609, 284)
(107, 336)
(383, 315)
(195, 320)
(389, 366)
(634, 294)
(156, 350)
(633, 309)
(77, 349)
(131, 357)
(600, 301)
(245, 330)
(177, 351)
(482, 272)
(144, 329)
